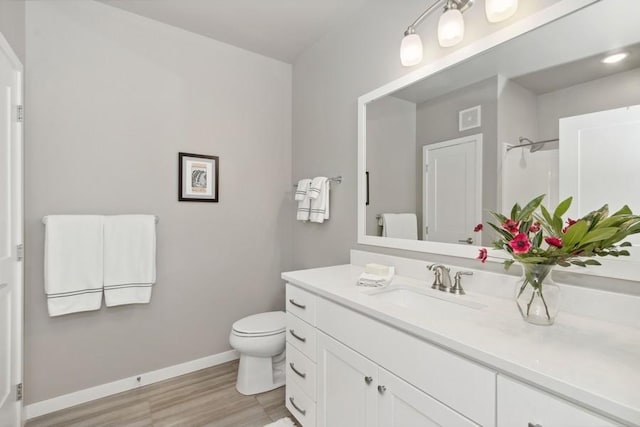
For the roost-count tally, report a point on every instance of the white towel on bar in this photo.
(129, 259)
(319, 194)
(73, 263)
(400, 226)
(304, 201)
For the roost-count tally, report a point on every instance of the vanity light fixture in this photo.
(450, 30)
(499, 10)
(616, 57)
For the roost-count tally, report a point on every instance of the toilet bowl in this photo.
(260, 340)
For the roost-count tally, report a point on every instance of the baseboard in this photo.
(82, 396)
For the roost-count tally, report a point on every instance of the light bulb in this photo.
(411, 50)
(499, 10)
(450, 28)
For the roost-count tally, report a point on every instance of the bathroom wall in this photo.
(391, 142)
(328, 77)
(112, 98)
(12, 25)
(438, 122)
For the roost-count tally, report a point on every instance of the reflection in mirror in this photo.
(508, 125)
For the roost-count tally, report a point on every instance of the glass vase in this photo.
(537, 295)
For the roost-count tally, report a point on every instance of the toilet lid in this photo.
(261, 324)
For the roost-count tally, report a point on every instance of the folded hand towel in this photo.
(400, 226)
(304, 201)
(129, 259)
(376, 281)
(319, 194)
(73, 263)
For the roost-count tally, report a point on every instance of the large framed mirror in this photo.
(540, 107)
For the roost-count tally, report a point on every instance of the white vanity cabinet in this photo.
(355, 392)
(522, 405)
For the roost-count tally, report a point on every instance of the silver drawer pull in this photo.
(381, 389)
(293, 368)
(534, 425)
(368, 380)
(296, 336)
(302, 306)
(302, 411)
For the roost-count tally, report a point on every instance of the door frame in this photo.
(17, 214)
(477, 139)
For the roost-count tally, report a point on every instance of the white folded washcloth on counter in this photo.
(375, 280)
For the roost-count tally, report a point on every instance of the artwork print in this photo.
(198, 180)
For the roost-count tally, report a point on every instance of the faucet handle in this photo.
(457, 282)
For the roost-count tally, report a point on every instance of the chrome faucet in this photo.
(457, 282)
(442, 279)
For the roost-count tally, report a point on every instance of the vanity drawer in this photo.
(302, 371)
(522, 405)
(300, 405)
(302, 336)
(457, 382)
(301, 303)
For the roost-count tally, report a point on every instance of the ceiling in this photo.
(279, 29)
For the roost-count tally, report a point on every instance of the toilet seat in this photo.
(260, 325)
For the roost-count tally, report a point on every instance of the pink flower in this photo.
(477, 228)
(511, 226)
(553, 241)
(535, 227)
(570, 222)
(520, 244)
(482, 256)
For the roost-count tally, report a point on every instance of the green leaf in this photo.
(546, 215)
(624, 252)
(591, 262)
(578, 263)
(557, 225)
(563, 207)
(504, 233)
(625, 244)
(598, 234)
(514, 211)
(530, 208)
(501, 218)
(574, 234)
(508, 263)
(537, 239)
(625, 210)
(564, 264)
(533, 260)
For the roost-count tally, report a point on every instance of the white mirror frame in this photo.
(617, 268)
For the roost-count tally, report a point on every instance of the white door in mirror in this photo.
(452, 189)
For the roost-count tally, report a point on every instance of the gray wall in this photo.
(112, 99)
(615, 91)
(356, 57)
(391, 142)
(437, 121)
(12, 23)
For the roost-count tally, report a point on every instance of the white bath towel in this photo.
(73, 263)
(375, 280)
(319, 194)
(129, 259)
(304, 201)
(400, 226)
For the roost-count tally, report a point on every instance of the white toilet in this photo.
(260, 340)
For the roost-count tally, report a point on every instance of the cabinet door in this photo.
(346, 386)
(520, 405)
(402, 405)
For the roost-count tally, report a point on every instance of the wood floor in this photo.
(203, 398)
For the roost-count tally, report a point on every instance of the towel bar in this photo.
(336, 179)
(44, 219)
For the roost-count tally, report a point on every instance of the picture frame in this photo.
(198, 178)
(470, 118)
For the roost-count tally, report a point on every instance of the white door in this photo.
(402, 405)
(10, 237)
(346, 386)
(452, 190)
(599, 156)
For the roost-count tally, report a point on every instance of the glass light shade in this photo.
(499, 10)
(411, 50)
(450, 28)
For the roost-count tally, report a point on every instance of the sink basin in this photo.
(410, 297)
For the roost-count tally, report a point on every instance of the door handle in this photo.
(293, 368)
(368, 380)
(468, 240)
(292, 301)
(381, 389)
(302, 411)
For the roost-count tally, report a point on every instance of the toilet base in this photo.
(260, 374)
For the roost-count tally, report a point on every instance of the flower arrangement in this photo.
(533, 237)
(540, 240)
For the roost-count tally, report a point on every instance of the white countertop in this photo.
(594, 363)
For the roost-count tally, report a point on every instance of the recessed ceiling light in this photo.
(617, 57)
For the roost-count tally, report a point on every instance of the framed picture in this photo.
(470, 118)
(198, 178)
